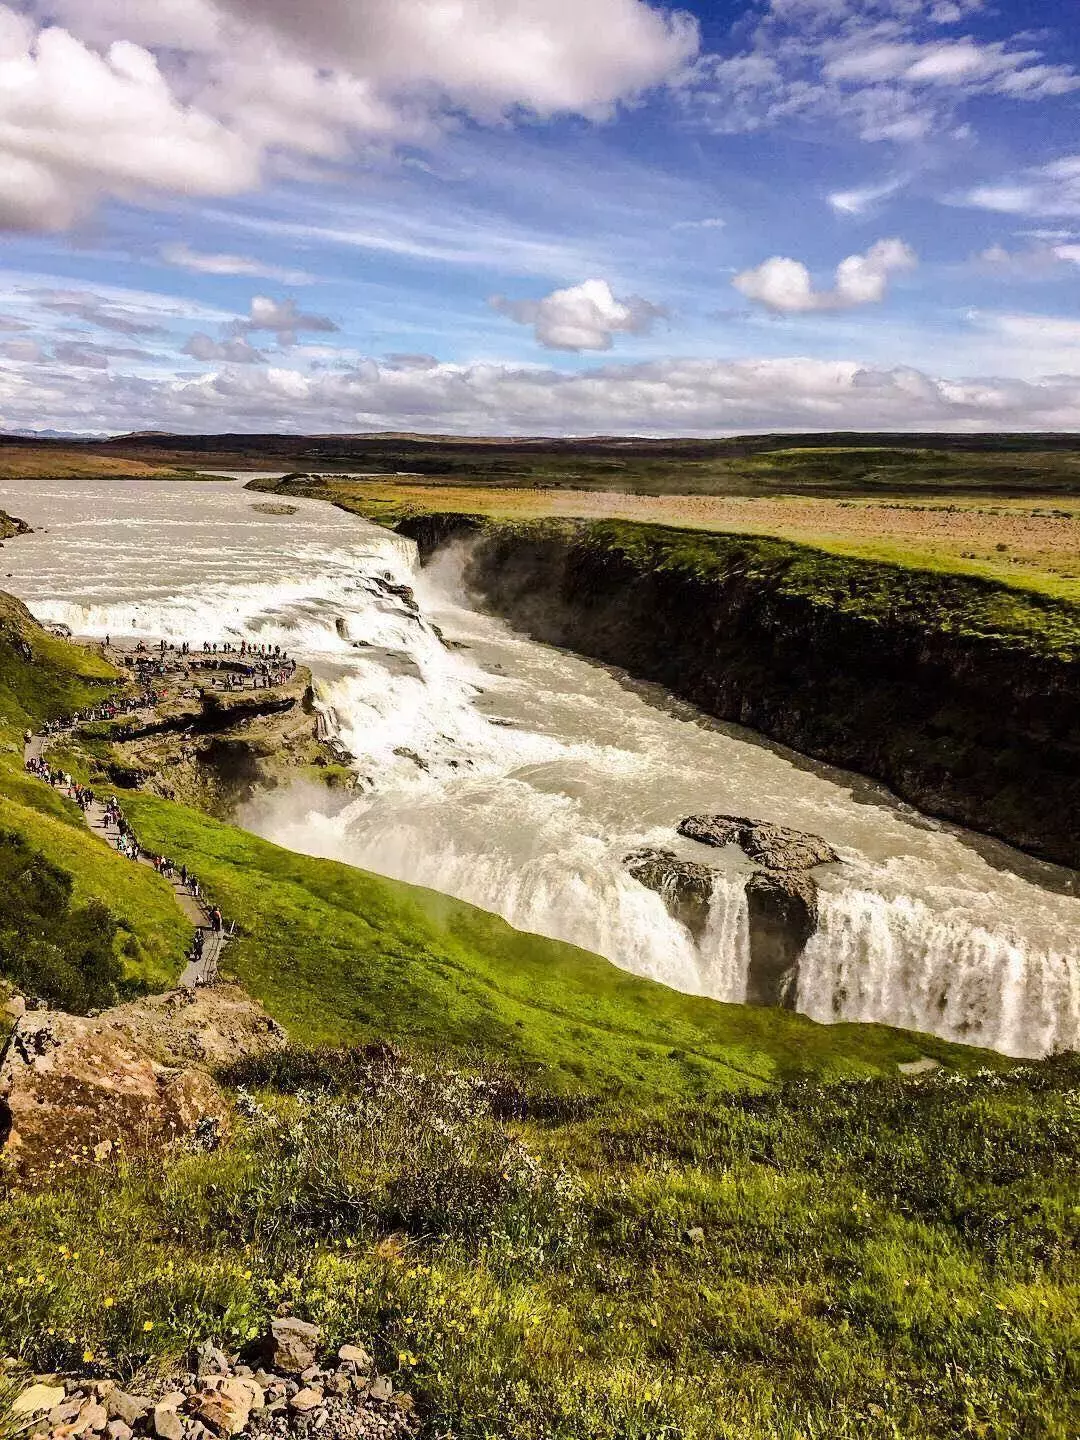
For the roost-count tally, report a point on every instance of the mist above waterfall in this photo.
(519, 777)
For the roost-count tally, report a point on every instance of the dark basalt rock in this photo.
(782, 908)
(783, 912)
(684, 886)
(774, 846)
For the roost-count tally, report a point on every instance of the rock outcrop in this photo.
(774, 846)
(781, 897)
(74, 1089)
(685, 886)
(10, 526)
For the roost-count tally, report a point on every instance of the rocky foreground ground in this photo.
(286, 1385)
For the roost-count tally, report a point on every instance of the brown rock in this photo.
(307, 1399)
(92, 1419)
(355, 1355)
(167, 1423)
(226, 1407)
(293, 1344)
(774, 846)
(129, 1409)
(72, 1088)
(783, 914)
(685, 886)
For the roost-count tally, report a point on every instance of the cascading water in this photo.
(517, 777)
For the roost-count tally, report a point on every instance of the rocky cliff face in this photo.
(964, 724)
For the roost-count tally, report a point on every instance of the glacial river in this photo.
(518, 776)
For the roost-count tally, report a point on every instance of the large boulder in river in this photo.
(74, 1090)
(685, 887)
(783, 914)
(774, 846)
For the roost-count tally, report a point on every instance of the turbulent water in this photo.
(517, 776)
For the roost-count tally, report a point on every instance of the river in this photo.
(517, 776)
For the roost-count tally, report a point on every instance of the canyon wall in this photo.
(960, 695)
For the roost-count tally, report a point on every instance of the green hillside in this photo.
(340, 956)
(43, 678)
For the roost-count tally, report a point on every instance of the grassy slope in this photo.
(59, 679)
(339, 955)
(1043, 556)
(892, 1261)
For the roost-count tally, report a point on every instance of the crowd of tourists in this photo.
(60, 780)
(246, 666)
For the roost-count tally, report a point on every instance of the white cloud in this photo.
(185, 258)
(1039, 261)
(867, 65)
(284, 319)
(581, 317)
(233, 351)
(711, 222)
(786, 286)
(104, 98)
(1052, 190)
(493, 56)
(76, 124)
(864, 199)
(658, 397)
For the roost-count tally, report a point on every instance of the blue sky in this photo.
(539, 216)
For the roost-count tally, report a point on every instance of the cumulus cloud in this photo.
(494, 56)
(658, 397)
(786, 287)
(284, 319)
(582, 317)
(201, 263)
(76, 124)
(232, 351)
(104, 98)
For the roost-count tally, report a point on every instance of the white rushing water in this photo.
(517, 776)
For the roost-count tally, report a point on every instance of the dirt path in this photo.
(202, 971)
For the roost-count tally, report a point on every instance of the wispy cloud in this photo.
(200, 263)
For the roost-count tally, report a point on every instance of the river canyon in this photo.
(519, 776)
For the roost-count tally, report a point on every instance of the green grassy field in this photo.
(862, 1261)
(58, 679)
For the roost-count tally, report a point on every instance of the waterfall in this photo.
(874, 957)
(518, 777)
